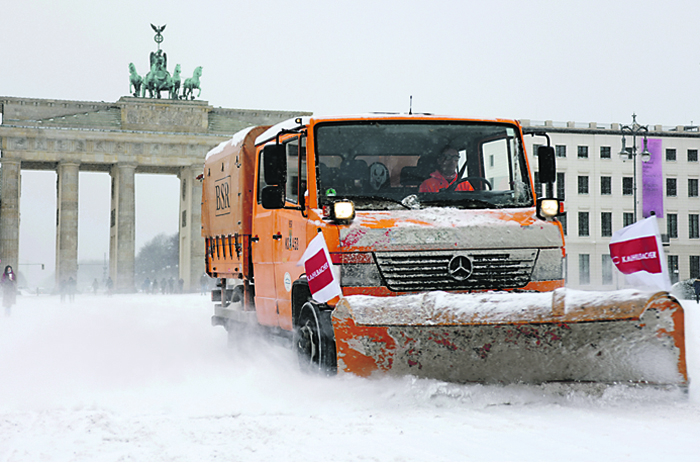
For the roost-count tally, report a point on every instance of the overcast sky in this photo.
(582, 61)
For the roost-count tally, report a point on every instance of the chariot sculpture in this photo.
(158, 79)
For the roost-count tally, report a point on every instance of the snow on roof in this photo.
(236, 139)
(271, 132)
(305, 120)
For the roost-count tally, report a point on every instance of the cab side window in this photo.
(292, 151)
(296, 169)
(295, 151)
(261, 176)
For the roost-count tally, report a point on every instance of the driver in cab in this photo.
(446, 174)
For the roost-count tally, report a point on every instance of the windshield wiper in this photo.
(465, 202)
(378, 198)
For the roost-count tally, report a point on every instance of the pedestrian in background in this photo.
(696, 285)
(9, 289)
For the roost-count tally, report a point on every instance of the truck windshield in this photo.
(414, 165)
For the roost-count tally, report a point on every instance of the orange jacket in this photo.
(437, 182)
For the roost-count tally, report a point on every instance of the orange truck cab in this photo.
(361, 182)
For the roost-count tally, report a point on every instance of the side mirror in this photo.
(275, 164)
(273, 197)
(547, 164)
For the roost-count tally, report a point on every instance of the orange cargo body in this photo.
(227, 203)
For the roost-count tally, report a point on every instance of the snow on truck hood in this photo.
(450, 227)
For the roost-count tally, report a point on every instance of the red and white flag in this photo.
(638, 253)
(323, 282)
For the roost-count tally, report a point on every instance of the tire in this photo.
(314, 342)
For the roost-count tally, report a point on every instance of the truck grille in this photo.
(456, 270)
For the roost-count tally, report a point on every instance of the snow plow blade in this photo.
(502, 337)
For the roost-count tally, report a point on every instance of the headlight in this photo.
(547, 208)
(343, 211)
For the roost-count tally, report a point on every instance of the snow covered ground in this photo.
(146, 378)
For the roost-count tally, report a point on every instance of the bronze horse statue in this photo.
(174, 83)
(135, 81)
(191, 84)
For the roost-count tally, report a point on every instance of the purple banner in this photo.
(652, 179)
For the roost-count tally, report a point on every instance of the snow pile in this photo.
(434, 308)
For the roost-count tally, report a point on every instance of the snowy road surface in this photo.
(146, 378)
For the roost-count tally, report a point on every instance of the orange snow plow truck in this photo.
(450, 267)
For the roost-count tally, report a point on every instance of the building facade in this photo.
(598, 185)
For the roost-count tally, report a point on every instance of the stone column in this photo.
(191, 241)
(122, 243)
(67, 222)
(9, 212)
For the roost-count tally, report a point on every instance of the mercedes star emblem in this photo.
(459, 268)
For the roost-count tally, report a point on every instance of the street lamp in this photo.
(634, 129)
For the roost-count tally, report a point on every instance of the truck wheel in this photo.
(314, 341)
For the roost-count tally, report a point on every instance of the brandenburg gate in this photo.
(124, 138)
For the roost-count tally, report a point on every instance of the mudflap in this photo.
(565, 335)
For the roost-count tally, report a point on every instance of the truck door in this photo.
(281, 237)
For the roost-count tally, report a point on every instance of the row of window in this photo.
(584, 268)
(606, 186)
(692, 155)
(606, 224)
(628, 186)
(606, 152)
(672, 225)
